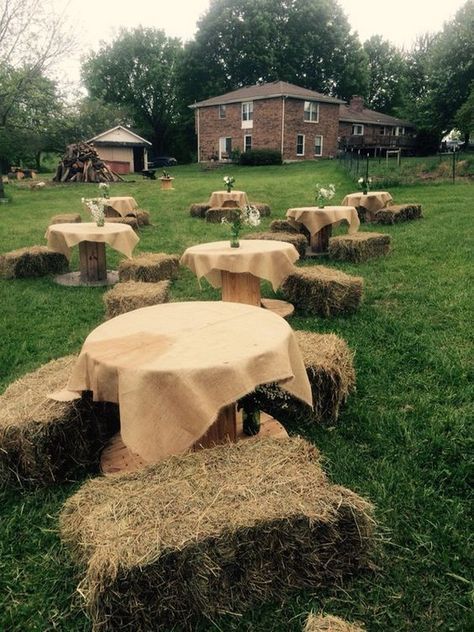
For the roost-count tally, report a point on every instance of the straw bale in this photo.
(284, 226)
(298, 241)
(217, 214)
(66, 218)
(129, 220)
(328, 623)
(199, 210)
(33, 261)
(143, 217)
(398, 213)
(359, 246)
(43, 441)
(125, 297)
(264, 209)
(330, 369)
(215, 531)
(149, 267)
(323, 291)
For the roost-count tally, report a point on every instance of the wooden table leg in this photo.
(92, 262)
(319, 242)
(224, 429)
(241, 287)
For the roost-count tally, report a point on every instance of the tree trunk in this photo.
(38, 160)
(2, 189)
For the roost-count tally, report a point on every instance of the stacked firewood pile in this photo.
(81, 163)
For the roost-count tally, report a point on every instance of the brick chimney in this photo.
(357, 103)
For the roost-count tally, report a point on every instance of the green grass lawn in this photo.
(404, 439)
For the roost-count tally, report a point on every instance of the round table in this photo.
(319, 222)
(237, 199)
(372, 201)
(239, 270)
(117, 206)
(91, 239)
(173, 367)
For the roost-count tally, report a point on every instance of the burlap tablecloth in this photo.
(62, 237)
(122, 205)
(315, 218)
(271, 260)
(218, 198)
(172, 367)
(372, 201)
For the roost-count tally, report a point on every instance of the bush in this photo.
(255, 157)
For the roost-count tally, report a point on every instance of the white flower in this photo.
(103, 185)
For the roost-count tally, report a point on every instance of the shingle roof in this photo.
(371, 117)
(267, 91)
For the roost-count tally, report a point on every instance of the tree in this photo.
(386, 70)
(242, 42)
(464, 119)
(138, 71)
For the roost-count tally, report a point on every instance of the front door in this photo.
(225, 148)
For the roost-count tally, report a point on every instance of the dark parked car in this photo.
(162, 161)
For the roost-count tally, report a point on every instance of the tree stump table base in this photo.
(241, 287)
(116, 457)
(319, 243)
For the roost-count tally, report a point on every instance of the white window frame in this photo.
(222, 111)
(223, 147)
(322, 143)
(356, 126)
(398, 131)
(302, 136)
(247, 114)
(312, 109)
(245, 142)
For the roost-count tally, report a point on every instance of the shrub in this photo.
(255, 157)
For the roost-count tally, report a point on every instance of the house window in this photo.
(225, 148)
(311, 111)
(300, 145)
(318, 145)
(357, 130)
(247, 111)
(247, 142)
(398, 131)
(382, 131)
(222, 111)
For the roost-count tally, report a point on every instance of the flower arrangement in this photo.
(247, 216)
(323, 194)
(229, 183)
(104, 189)
(96, 207)
(166, 175)
(364, 184)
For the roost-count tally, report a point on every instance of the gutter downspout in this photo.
(283, 126)
(198, 138)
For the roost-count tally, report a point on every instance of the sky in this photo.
(398, 21)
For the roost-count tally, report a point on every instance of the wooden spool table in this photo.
(319, 222)
(118, 206)
(238, 271)
(176, 370)
(228, 199)
(371, 202)
(92, 257)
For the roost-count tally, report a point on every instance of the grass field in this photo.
(404, 440)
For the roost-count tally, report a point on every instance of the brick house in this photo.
(361, 128)
(300, 123)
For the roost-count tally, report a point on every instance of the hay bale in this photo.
(129, 220)
(219, 530)
(33, 261)
(398, 213)
(66, 218)
(125, 297)
(359, 246)
(43, 441)
(264, 209)
(149, 267)
(330, 369)
(217, 214)
(198, 210)
(283, 226)
(143, 218)
(323, 291)
(298, 241)
(328, 623)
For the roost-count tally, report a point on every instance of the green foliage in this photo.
(464, 119)
(386, 71)
(138, 72)
(403, 440)
(255, 157)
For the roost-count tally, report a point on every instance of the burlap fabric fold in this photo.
(62, 237)
(271, 260)
(218, 198)
(372, 201)
(172, 367)
(314, 218)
